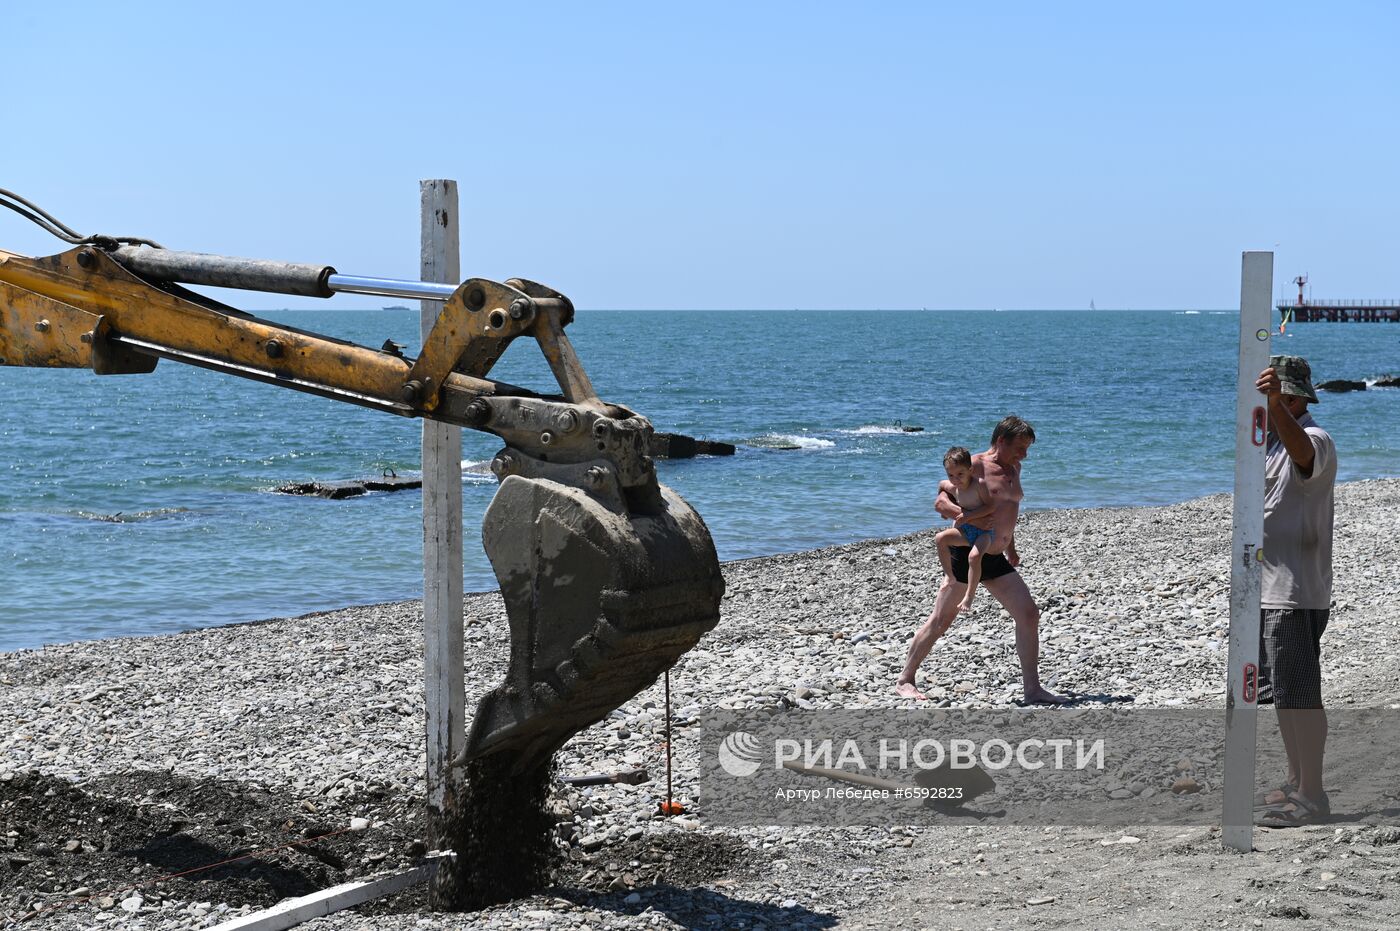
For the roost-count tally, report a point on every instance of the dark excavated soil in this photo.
(668, 859)
(171, 839)
(503, 835)
(679, 874)
(113, 836)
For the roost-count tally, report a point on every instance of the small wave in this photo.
(1188, 313)
(880, 429)
(874, 428)
(789, 441)
(135, 517)
(477, 466)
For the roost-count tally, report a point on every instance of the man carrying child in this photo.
(999, 472)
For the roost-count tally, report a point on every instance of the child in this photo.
(971, 497)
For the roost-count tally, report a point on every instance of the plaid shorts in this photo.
(1290, 645)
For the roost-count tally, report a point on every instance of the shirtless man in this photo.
(1000, 469)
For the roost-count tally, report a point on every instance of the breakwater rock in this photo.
(680, 446)
(352, 489)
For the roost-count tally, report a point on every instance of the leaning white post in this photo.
(291, 912)
(1251, 435)
(442, 526)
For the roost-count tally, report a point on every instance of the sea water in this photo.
(144, 503)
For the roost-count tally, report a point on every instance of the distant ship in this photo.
(398, 307)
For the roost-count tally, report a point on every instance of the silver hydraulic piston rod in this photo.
(390, 287)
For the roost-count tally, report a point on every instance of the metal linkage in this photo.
(601, 452)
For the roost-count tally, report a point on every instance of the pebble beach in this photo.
(123, 761)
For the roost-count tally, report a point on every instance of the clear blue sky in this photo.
(717, 155)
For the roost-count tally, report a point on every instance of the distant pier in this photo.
(1306, 310)
(1340, 312)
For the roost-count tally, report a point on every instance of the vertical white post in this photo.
(442, 524)
(1246, 572)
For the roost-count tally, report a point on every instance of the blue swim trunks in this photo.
(973, 534)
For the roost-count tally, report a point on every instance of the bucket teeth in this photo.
(600, 605)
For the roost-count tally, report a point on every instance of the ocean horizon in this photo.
(144, 504)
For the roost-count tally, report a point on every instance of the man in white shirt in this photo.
(1299, 475)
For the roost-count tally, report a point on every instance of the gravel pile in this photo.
(123, 761)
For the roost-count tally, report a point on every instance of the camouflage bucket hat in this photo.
(1295, 376)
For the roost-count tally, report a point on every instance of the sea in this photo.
(144, 504)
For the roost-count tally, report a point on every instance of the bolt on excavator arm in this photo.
(608, 576)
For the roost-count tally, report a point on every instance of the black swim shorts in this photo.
(994, 565)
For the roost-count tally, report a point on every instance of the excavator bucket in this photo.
(600, 603)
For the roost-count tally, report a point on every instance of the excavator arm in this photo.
(607, 575)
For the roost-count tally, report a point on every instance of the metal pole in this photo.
(669, 798)
(1246, 570)
(442, 532)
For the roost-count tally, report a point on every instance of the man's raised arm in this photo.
(1290, 432)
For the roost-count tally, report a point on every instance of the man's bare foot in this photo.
(909, 690)
(1043, 696)
(965, 605)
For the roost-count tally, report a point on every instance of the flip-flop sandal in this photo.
(1301, 812)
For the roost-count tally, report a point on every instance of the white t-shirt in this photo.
(1298, 524)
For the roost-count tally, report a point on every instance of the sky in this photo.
(730, 155)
